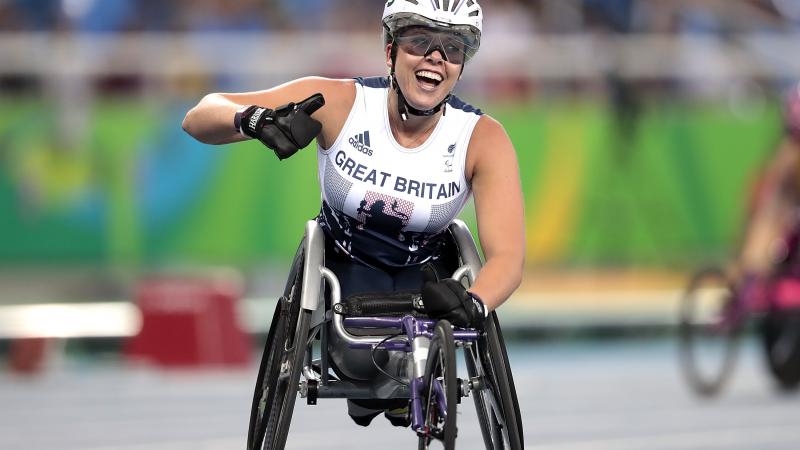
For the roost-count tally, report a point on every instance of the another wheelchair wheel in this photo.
(440, 383)
(493, 390)
(711, 319)
(279, 372)
(781, 336)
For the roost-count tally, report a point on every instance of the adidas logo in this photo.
(361, 143)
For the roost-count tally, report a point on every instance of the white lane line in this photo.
(758, 437)
(204, 444)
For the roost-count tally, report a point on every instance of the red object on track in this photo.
(189, 321)
(27, 356)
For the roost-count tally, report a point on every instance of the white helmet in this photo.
(462, 16)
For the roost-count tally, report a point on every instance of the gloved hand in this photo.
(448, 299)
(285, 129)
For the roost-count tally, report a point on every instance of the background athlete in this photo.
(775, 216)
(403, 147)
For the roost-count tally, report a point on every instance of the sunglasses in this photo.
(454, 47)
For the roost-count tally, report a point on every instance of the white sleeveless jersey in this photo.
(384, 203)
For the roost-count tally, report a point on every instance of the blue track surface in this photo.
(574, 396)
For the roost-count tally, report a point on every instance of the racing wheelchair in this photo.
(716, 309)
(304, 324)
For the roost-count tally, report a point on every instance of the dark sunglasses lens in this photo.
(454, 50)
(451, 47)
(416, 45)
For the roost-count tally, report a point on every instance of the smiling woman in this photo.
(428, 30)
(398, 158)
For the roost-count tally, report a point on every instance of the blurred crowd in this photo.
(543, 16)
(505, 22)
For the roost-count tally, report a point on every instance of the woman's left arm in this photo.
(493, 171)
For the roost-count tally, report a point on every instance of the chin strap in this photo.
(402, 105)
(405, 109)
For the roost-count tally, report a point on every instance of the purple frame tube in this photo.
(412, 327)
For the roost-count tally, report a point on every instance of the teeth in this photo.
(431, 75)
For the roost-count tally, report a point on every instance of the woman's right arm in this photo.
(211, 121)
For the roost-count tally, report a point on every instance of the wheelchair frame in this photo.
(485, 354)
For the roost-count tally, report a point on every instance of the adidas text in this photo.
(361, 143)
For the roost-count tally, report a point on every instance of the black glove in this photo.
(448, 299)
(285, 129)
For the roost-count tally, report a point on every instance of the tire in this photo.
(711, 319)
(494, 392)
(440, 369)
(279, 372)
(781, 338)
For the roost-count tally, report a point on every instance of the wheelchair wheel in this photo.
(279, 372)
(440, 380)
(781, 337)
(710, 323)
(493, 390)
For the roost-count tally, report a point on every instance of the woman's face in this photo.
(428, 65)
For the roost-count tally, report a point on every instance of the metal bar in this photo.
(348, 389)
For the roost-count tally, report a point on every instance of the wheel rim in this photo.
(440, 394)
(711, 318)
(480, 403)
(279, 367)
(495, 400)
(268, 371)
(491, 407)
(285, 395)
(781, 336)
(434, 413)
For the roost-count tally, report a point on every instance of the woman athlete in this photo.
(398, 158)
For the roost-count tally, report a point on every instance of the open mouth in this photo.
(428, 79)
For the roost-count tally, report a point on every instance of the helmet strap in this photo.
(403, 108)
